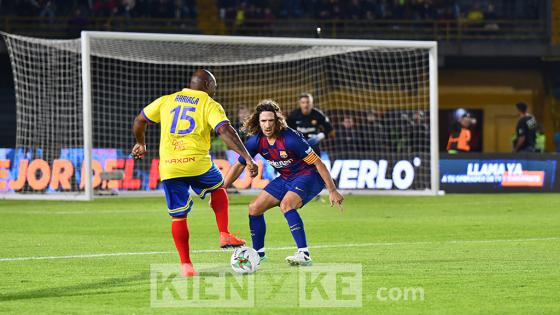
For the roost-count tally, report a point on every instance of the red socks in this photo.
(180, 232)
(220, 205)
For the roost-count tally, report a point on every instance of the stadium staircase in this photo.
(209, 22)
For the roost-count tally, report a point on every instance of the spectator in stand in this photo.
(475, 15)
(27, 8)
(370, 16)
(491, 16)
(349, 139)
(420, 132)
(48, 10)
(76, 24)
(240, 15)
(375, 140)
(104, 8)
(182, 10)
(163, 9)
(242, 114)
(127, 8)
(240, 11)
(355, 10)
(336, 12)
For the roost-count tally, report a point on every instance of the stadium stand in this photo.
(421, 19)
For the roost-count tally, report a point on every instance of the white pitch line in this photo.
(286, 248)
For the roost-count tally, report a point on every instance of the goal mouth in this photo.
(76, 100)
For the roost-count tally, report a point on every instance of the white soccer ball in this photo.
(245, 260)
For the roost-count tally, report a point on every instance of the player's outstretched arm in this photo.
(139, 130)
(232, 140)
(334, 196)
(233, 174)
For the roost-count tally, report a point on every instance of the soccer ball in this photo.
(245, 260)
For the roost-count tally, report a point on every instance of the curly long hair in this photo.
(252, 125)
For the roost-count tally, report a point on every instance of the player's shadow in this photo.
(75, 290)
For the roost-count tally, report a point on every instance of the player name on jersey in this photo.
(187, 99)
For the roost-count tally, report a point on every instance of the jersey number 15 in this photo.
(183, 112)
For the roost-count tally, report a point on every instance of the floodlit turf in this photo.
(470, 254)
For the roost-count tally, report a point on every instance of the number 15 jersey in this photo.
(187, 119)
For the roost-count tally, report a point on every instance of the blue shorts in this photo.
(306, 186)
(179, 201)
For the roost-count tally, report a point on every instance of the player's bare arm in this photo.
(232, 140)
(334, 196)
(139, 130)
(233, 174)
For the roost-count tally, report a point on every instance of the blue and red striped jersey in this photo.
(290, 154)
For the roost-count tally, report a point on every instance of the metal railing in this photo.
(441, 30)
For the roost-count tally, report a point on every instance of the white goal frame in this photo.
(87, 36)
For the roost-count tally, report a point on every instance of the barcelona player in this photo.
(187, 119)
(302, 176)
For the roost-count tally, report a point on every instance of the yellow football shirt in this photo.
(187, 119)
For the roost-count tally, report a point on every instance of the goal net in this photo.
(76, 100)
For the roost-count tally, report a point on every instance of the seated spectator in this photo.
(475, 15)
(104, 8)
(491, 15)
(240, 14)
(27, 8)
(242, 114)
(127, 8)
(355, 10)
(77, 24)
(48, 10)
(182, 10)
(162, 9)
(375, 140)
(348, 139)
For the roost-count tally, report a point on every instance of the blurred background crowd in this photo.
(284, 9)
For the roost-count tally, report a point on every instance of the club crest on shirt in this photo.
(283, 154)
(314, 122)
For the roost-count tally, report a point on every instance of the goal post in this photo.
(86, 102)
(381, 96)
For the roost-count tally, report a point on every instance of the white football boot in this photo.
(299, 259)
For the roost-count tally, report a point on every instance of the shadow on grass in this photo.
(76, 290)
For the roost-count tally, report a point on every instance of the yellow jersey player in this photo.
(187, 119)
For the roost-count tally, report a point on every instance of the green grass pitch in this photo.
(471, 254)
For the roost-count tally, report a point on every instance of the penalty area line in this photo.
(287, 248)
